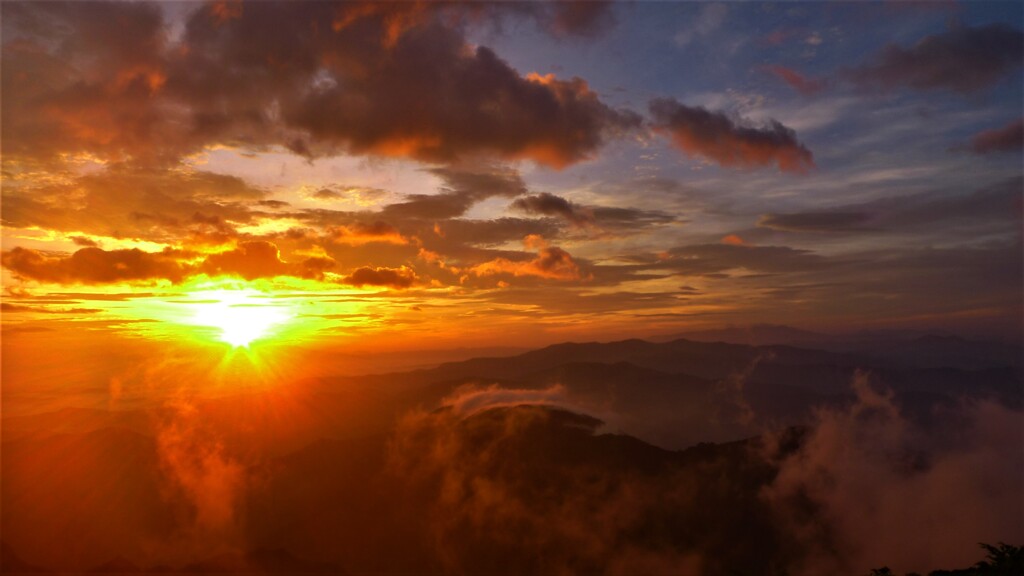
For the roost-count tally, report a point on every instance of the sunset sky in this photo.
(469, 287)
(414, 175)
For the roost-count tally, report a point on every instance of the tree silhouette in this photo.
(1002, 559)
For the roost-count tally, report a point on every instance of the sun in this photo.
(241, 316)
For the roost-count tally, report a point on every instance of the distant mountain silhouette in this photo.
(904, 348)
(630, 455)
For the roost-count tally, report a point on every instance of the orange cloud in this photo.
(551, 262)
(250, 260)
(359, 234)
(95, 266)
(261, 259)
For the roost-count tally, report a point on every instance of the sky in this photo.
(424, 175)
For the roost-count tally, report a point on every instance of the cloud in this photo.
(461, 188)
(963, 59)
(1006, 139)
(471, 400)
(580, 17)
(550, 205)
(359, 234)
(814, 221)
(397, 278)
(123, 202)
(261, 259)
(429, 97)
(250, 260)
(534, 489)
(992, 208)
(713, 135)
(594, 219)
(551, 262)
(871, 474)
(94, 266)
(8, 307)
(196, 466)
(135, 92)
(703, 259)
(795, 80)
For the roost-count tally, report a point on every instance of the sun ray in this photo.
(240, 316)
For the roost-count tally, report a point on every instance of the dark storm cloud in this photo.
(715, 136)
(1008, 138)
(963, 59)
(285, 73)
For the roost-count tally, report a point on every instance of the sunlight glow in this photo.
(240, 315)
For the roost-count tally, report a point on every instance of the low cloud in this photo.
(473, 399)
(864, 478)
(197, 468)
(713, 135)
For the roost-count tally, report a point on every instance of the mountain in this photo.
(901, 348)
